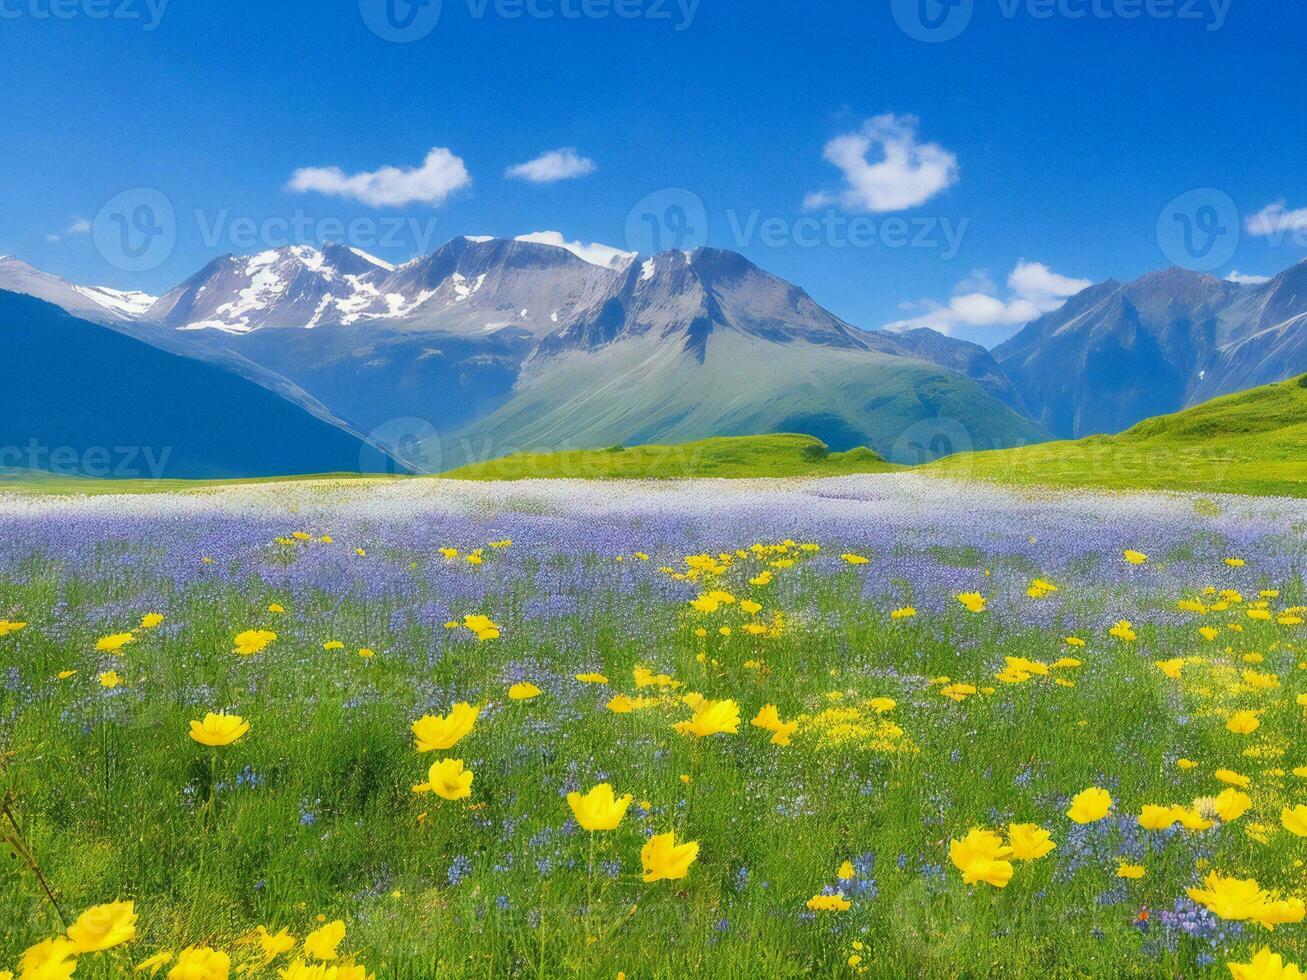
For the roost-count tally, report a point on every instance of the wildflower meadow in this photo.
(869, 725)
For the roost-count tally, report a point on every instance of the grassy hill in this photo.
(726, 457)
(1251, 443)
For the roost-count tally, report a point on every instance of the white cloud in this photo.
(561, 164)
(1034, 290)
(1274, 219)
(905, 174)
(440, 175)
(80, 226)
(1239, 277)
(52, 238)
(594, 253)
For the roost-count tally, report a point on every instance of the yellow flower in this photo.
(523, 691)
(1028, 841)
(434, 733)
(201, 963)
(973, 601)
(882, 706)
(621, 704)
(1230, 898)
(7, 627)
(712, 718)
(665, 860)
(1265, 965)
(1186, 763)
(321, 943)
(957, 692)
(63, 675)
(155, 963)
(1235, 562)
(854, 559)
(781, 735)
(150, 620)
(276, 608)
(1232, 778)
(1171, 668)
(907, 612)
(1232, 804)
(767, 718)
(1190, 818)
(599, 809)
(592, 678)
(1156, 817)
(981, 856)
(1295, 820)
(333, 645)
(103, 927)
(1134, 557)
(1124, 630)
(448, 780)
(1243, 722)
(829, 903)
(252, 641)
(1090, 805)
(366, 653)
(219, 730)
(483, 626)
(846, 872)
(1130, 871)
(274, 944)
(50, 959)
(110, 679)
(114, 643)
(1073, 641)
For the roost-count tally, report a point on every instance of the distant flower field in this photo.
(881, 726)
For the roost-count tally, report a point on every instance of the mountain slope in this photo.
(644, 390)
(489, 344)
(111, 405)
(98, 304)
(1115, 354)
(1250, 442)
(740, 457)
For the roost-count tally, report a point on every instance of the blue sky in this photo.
(1034, 151)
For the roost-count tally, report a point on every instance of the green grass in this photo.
(1249, 443)
(783, 455)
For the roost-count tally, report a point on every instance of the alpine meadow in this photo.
(641, 491)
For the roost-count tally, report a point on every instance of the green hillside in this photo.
(644, 391)
(727, 457)
(1252, 442)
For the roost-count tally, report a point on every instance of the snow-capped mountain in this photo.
(298, 286)
(486, 340)
(1117, 354)
(98, 304)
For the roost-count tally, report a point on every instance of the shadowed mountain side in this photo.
(106, 402)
